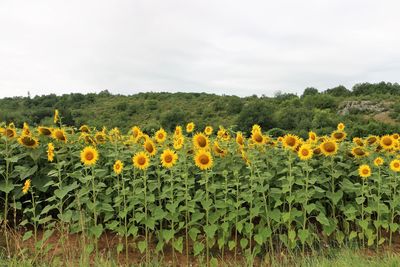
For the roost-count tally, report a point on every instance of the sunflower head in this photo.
(50, 152)
(208, 130)
(200, 141)
(329, 147)
(161, 135)
(358, 141)
(141, 161)
(257, 137)
(150, 147)
(239, 139)
(359, 152)
(395, 165)
(56, 116)
(341, 126)
(387, 142)
(338, 136)
(305, 152)
(89, 156)
(26, 186)
(255, 128)
(100, 137)
(44, 131)
(203, 159)
(168, 158)
(312, 137)
(118, 167)
(364, 171)
(28, 141)
(59, 134)
(218, 150)
(190, 127)
(290, 141)
(10, 132)
(84, 129)
(178, 131)
(372, 139)
(178, 142)
(378, 161)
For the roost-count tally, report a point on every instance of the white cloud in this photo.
(231, 47)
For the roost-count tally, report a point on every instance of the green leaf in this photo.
(120, 247)
(231, 245)
(142, 245)
(96, 230)
(303, 235)
(178, 244)
(214, 262)
(193, 232)
(210, 230)
(168, 235)
(27, 235)
(198, 247)
(244, 242)
(6, 188)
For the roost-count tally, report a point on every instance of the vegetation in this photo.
(280, 114)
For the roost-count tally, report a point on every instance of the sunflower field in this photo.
(209, 193)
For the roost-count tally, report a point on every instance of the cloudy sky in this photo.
(224, 47)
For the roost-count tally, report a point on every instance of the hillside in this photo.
(371, 108)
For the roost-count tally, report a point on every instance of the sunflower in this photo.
(239, 139)
(312, 137)
(341, 126)
(50, 152)
(25, 129)
(257, 137)
(26, 186)
(100, 137)
(378, 161)
(255, 128)
(244, 156)
(168, 158)
(200, 141)
(386, 142)
(359, 152)
(56, 116)
(59, 134)
(290, 141)
(364, 171)
(10, 132)
(208, 130)
(136, 133)
(328, 147)
(395, 165)
(141, 160)
(203, 159)
(44, 131)
(161, 136)
(84, 129)
(28, 141)
(223, 134)
(218, 150)
(372, 139)
(338, 136)
(358, 141)
(317, 151)
(150, 147)
(395, 136)
(178, 142)
(190, 127)
(118, 166)
(178, 131)
(305, 152)
(89, 156)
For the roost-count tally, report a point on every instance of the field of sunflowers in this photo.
(209, 193)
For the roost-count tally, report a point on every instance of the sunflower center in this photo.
(365, 171)
(396, 165)
(204, 160)
(201, 141)
(89, 155)
(258, 138)
(305, 152)
(141, 160)
(168, 158)
(387, 141)
(290, 141)
(358, 151)
(60, 135)
(329, 147)
(149, 147)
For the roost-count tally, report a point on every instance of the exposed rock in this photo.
(347, 107)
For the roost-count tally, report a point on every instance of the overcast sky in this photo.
(223, 47)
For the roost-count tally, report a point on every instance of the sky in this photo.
(216, 46)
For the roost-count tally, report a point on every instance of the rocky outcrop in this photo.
(361, 106)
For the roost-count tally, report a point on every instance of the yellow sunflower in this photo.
(25, 129)
(59, 134)
(338, 136)
(56, 116)
(200, 141)
(219, 151)
(178, 142)
(26, 186)
(28, 141)
(290, 141)
(168, 158)
(178, 131)
(395, 136)
(255, 128)
(223, 134)
(44, 131)
(359, 152)
(305, 152)
(10, 132)
(100, 137)
(364, 171)
(190, 127)
(89, 156)
(161, 135)
(257, 137)
(329, 147)
(312, 137)
(387, 142)
(136, 133)
(372, 139)
(141, 160)
(358, 141)
(203, 159)
(208, 130)
(378, 161)
(341, 126)
(239, 139)
(395, 165)
(118, 167)
(84, 129)
(50, 152)
(150, 147)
